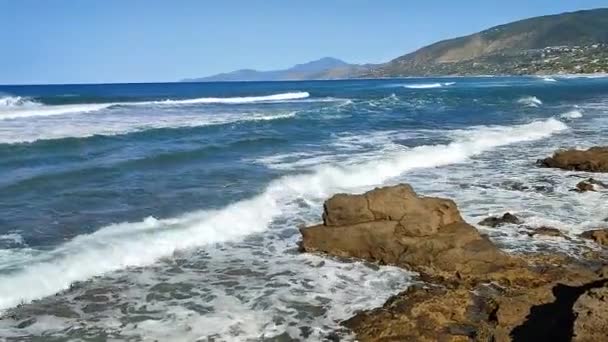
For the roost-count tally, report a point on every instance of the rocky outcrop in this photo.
(473, 290)
(393, 225)
(598, 235)
(594, 159)
(494, 221)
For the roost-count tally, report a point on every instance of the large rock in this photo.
(393, 225)
(594, 159)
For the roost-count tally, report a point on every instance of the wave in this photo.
(530, 101)
(112, 127)
(135, 244)
(428, 85)
(549, 79)
(13, 107)
(573, 114)
(235, 100)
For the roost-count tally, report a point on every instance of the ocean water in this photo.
(171, 211)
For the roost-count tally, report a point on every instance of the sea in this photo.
(171, 211)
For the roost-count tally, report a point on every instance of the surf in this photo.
(134, 244)
(428, 85)
(15, 107)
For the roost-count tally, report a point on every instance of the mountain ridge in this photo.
(566, 43)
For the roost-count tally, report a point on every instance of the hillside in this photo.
(575, 42)
(565, 43)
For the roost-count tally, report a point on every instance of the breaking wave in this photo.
(530, 101)
(13, 107)
(573, 114)
(130, 244)
(428, 85)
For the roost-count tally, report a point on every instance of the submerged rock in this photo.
(594, 159)
(547, 231)
(494, 221)
(598, 235)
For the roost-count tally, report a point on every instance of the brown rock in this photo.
(591, 311)
(425, 234)
(584, 186)
(494, 221)
(481, 294)
(598, 235)
(594, 159)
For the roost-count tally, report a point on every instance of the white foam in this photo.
(117, 124)
(573, 114)
(141, 243)
(549, 79)
(530, 101)
(12, 107)
(428, 85)
(236, 100)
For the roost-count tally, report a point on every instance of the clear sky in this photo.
(93, 41)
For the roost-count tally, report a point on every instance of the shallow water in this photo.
(170, 211)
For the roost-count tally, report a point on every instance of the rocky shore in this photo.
(469, 290)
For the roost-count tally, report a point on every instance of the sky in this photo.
(105, 41)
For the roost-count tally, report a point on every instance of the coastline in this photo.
(471, 289)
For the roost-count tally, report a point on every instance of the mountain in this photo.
(324, 68)
(564, 43)
(574, 42)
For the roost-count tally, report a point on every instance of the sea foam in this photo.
(13, 107)
(530, 101)
(131, 244)
(428, 85)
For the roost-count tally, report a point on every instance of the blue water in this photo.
(171, 210)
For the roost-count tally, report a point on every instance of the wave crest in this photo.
(13, 107)
(428, 85)
(530, 101)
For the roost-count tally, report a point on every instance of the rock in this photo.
(547, 231)
(477, 292)
(594, 159)
(494, 221)
(598, 235)
(393, 225)
(591, 312)
(489, 313)
(584, 186)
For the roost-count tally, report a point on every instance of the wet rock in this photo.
(594, 159)
(494, 221)
(393, 225)
(584, 186)
(598, 235)
(547, 231)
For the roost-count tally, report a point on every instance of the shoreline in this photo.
(471, 288)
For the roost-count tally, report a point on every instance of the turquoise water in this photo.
(170, 211)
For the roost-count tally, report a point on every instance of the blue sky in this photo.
(94, 41)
